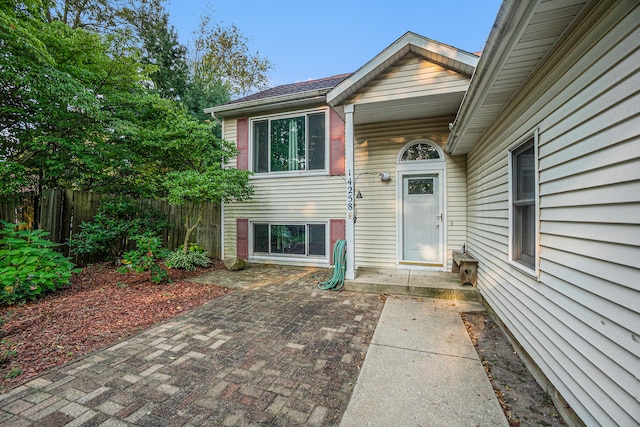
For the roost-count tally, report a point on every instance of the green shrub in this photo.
(188, 260)
(29, 267)
(193, 247)
(146, 256)
(109, 232)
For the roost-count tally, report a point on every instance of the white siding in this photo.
(412, 76)
(305, 197)
(321, 197)
(230, 133)
(295, 199)
(377, 149)
(580, 322)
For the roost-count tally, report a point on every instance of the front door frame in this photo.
(420, 168)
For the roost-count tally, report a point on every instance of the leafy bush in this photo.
(109, 232)
(146, 256)
(187, 260)
(29, 267)
(193, 247)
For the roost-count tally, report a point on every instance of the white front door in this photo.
(422, 227)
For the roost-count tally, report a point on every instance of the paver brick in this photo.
(280, 352)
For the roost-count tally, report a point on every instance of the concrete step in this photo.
(426, 284)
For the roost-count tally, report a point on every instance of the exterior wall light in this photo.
(385, 176)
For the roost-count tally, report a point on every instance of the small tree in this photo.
(214, 184)
(203, 177)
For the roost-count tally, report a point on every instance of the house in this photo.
(377, 134)
(529, 156)
(550, 129)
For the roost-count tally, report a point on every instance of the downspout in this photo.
(221, 123)
(216, 118)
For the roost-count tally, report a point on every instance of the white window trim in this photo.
(291, 259)
(399, 160)
(535, 272)
(421, 167)
(327, 148)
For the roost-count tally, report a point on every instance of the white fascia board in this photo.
(300, 98)
(502, 38)
(385, 59)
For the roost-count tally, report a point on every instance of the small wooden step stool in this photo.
(467, 266)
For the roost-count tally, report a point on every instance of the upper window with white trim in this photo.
(523, 205)
(291, 143)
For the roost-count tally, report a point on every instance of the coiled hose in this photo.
(336, 282)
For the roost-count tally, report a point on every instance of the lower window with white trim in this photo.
(297, 240)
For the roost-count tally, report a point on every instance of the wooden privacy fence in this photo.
(61, 212)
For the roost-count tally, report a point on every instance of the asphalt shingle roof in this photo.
(293, 88)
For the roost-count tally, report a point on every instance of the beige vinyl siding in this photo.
(377, 149)
(412, 76)
(456, 199)
(295, 199)
(230, 133)
(579, 322)
(314, 197)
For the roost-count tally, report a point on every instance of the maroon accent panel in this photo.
(242, 142)
(242, 238)
(336, 144)
(336, 232)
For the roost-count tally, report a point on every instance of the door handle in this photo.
(439, 217)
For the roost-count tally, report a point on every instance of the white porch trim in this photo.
(350, 229)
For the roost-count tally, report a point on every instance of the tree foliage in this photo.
(202, 178)
(161, 48)
(62, 104)
(223, 53)
(97, 15)
(100, 95)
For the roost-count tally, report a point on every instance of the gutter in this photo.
(283, 101)
(498, 43)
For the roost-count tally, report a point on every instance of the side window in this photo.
(296, 143)
(523, 205)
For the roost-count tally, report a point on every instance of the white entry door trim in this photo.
(420, 170)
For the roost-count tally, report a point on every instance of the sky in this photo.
(306, 40)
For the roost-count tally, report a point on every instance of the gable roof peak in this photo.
(433, 51)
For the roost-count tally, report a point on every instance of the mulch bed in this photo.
(101, 307)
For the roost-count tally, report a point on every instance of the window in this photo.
(290, 144)
(523, 208)
(420, 186)
(420, 151)
(289, 239)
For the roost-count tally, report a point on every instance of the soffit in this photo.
(523, 36)
(408, 108)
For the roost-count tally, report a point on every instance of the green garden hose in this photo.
(339, 258)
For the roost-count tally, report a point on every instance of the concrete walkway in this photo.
(276, 351)
(421, 369)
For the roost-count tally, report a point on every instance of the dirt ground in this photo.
(522, 399)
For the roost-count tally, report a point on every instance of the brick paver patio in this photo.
(280, 352)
